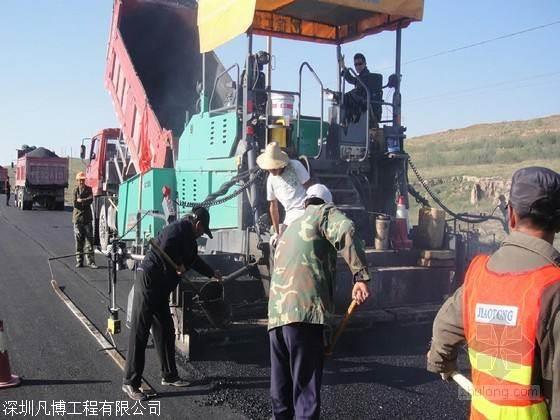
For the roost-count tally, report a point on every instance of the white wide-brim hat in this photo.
(319, 191)
(273, 157)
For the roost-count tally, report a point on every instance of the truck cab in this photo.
(102, 176)
(108, 166)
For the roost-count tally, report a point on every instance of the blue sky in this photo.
(53, 56)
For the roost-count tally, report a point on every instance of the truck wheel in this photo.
(59, 205)
(104, 230)
(27, 205)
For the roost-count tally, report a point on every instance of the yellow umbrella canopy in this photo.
(326, 21)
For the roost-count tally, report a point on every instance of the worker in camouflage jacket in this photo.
(301, 297)
(82, 220)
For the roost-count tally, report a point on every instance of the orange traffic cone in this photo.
(6, 378)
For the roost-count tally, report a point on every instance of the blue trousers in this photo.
(296, 362)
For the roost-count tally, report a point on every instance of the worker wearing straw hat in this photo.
(286, 184)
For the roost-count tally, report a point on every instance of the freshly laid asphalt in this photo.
(378, 373)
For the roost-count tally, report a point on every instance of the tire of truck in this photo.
(104, 231)
(59, 205)
(25, 204)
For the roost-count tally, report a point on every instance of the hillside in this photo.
(488, 149)
(469, 168)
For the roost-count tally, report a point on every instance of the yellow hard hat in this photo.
(80, 175)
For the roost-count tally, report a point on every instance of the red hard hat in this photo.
(166, 191)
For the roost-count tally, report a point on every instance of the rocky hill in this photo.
(470, 168)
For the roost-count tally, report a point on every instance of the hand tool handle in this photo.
(341, 327)
(463, 382)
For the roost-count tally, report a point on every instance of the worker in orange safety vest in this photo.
(508, 311)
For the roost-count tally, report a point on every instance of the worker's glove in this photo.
(218, 275)
(273, 240)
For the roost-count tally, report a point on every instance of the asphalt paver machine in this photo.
(214, 122)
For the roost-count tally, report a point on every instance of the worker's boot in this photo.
(79, 264)
(134, 393)
(176, 382)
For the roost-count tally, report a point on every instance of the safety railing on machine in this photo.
(234, 100)
(368, 109)
(305, 64)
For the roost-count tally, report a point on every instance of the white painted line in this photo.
(105, 344)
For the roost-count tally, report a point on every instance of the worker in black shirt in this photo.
(355, 101)
(155, 281)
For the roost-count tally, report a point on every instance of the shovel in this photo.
(463, 382)
(341, 327)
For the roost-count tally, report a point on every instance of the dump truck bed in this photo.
(42, 172)
(153, 68)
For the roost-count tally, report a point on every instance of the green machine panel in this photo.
(205, 163)
(309, 132)
(147, 186)
(209, 137)
(195, 184)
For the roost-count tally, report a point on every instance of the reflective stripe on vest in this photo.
(488, 410)
(500, 316)
(500, 368)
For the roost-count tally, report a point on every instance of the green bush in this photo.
(488, 150)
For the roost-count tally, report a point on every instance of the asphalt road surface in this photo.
(377, 373)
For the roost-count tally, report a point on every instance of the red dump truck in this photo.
(153, 68)
(41, 177)
(3, 179)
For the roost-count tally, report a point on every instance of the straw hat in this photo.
(273, 157)
(80, 175)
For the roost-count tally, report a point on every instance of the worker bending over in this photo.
(286, 183)
(302, 295)
(154, 283)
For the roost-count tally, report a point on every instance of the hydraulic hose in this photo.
(463, 217)
(212, 199)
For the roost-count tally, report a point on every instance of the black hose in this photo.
(211, 199)
(463, 217)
